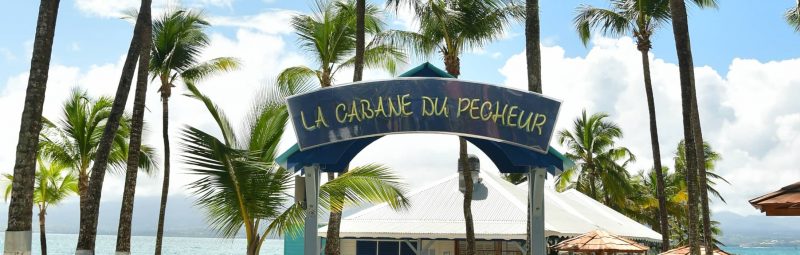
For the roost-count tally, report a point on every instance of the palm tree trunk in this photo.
(165, 185)
(135, 142)
(42, 236)
(680, 29)
(359, 59)
(332, 244)
(533, 57)
(533, 53)
(651, 107)
(453, 64)
(20, 211)
(702, 184)
(465, 170)
(90, 213)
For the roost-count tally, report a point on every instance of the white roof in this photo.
(499, 211)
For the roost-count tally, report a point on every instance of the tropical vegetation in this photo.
(453, 28)
(242, 189)
(178, 42)
(330, 35)
(54, 183)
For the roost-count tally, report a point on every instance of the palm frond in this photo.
(370, 183)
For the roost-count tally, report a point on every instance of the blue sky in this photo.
(746, 58)
(741, 29)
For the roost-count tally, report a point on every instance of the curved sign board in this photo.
(429, 105)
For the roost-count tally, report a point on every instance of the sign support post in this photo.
(311, 241)
(536, 200)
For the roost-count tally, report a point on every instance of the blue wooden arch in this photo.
(508, 158)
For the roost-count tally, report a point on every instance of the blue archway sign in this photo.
(423, 105)
(334, 124)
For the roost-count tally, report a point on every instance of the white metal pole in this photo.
(536, 200)
(311, 240)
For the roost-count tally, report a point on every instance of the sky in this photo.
(746, 74)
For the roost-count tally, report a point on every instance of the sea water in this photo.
(63, 244)
(763, 250)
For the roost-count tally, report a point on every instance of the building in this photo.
(434, 225)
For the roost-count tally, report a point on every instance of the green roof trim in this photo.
(426, 70)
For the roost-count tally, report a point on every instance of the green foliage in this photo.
(600, 171)
(639, 17)
(792, 16)
(454, 27)
(242, 187)
(178, 42)
(54, 182)
(329, 37)
(73, 140)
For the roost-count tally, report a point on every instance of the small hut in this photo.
(684, 250)
(783, 202)
(600, 242)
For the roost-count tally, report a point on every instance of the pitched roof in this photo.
(600, 241)
(499, 212)
(684, 250)
(783, 202)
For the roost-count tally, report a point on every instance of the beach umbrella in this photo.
(600, 242)
(684, 250)
(783, 202)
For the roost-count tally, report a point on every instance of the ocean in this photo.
(64, 244)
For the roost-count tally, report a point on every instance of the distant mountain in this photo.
(758, 230)
(183, 219)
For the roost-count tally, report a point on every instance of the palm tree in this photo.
(691, 124)
(241, 186)
(641, 18)
(91, 209)
(75, 138)
(54, 183)
(332, 35)
(137, 123)
(792, 16)
(19, 211)
(601, 173)
(452, 28)
(178, 41)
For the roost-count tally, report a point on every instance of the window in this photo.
(489, 248)
(384, 247)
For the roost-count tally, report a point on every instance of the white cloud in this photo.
(751, 116)
(116, 8)
(264, 22)
(262, 56)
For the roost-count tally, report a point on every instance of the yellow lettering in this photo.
(511, 116)
(303, 119)
(366, 111)
(392, 110)
(498, 114)
(320, 118)
(442, 110)
(405, 105)
(462, 107)
(428, 106)
(343, 117)
(379, 109)
(538, 124)
(524, 124)
(484, 106)
(473, 108)
(353, 112)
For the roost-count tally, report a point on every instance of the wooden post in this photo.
(536, 200)
(311, 240)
